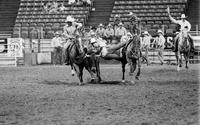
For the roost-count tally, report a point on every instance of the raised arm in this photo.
(170, 17)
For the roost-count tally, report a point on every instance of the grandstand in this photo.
(27, 18)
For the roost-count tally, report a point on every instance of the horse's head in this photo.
(133, 47)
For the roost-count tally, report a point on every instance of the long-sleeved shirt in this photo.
(69, 31)
(182, 23)
(161, 41)
(56, 42)
(108, 32)
(100, 31)
(121, 31)
(146, 41)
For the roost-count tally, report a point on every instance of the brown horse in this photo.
(131, 54)
(184, 47)
(78, 60)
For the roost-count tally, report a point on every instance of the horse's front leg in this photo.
(123, 71)
(79, 72)
(98, 70)
(139, 69)
(178, 60)
(186, 56)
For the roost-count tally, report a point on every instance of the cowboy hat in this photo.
(145, 33)
(100, 24)
(57, 33)
(120, 24)
(183, 16)
(109, 25)
(92, 33)
(93, 40)
(130, 14)
(129, 34)
(160, 31)
(116, 15)
(70, 19)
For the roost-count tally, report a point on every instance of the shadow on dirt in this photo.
(86, 83)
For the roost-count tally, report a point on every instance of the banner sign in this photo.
(15, 47)
(3, 45)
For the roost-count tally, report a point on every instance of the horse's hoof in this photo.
(92, 80)
(187, 67)
(132, 82)
(137, 77)
(123, 81)
(73, 72)
(178, 68)
(80, 83)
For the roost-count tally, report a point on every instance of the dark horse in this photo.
(131, 54)
(78, 60)
(183, 47)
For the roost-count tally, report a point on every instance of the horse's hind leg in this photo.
(132, 67)
(123, 71)
(186, 56)
(139, 68)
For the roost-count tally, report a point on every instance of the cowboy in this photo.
(121, 31)
(160, 45)
(146, 41)
(70, 33)
(132, 26)
(117, 20)
(110, 49)
(56, 44)
(185, 27)
(109, 33)
(100, 30)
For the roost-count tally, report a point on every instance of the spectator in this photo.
(56, 44)
(54, 7)
(121, 31)
(109, 33)
(87, 2)
(146, 45)
(62, 7)
(117, 20)
(133, 23)
(100, 30)
(160, 43)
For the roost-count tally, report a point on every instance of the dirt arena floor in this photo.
(49, 95)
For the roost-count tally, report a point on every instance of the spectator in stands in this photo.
(62, 7)
(92, 30)
(121, 31)
(185, 26)
(72, 2)
(87, 2)
(109, 33)
(117, 20)
(133, 24)
(100, 30)
(70, 33)
(146, 45)
(56, 44)
(160, 45)
(54, 7)
(46, 6)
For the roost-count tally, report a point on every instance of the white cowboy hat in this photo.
(145, 33)
(183, 16)
(57, 33)
(70, 19)
(130, 13)
(116, 15)
(129, 34)
(120, 24)
(100, 24)
(109, 25)
(93, 40)
(160, 31)
(92, 33)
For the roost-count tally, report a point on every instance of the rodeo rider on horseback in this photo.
(70, 33)
(185, 26)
